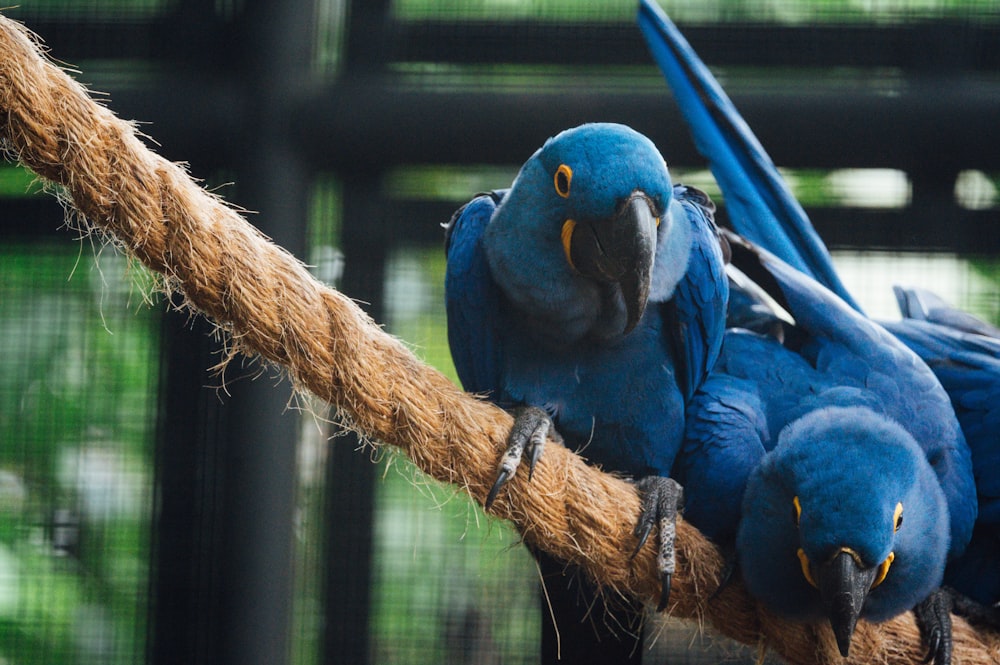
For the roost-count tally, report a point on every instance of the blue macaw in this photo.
(964, 353)
(808, 443)
(762, 208)
(589, 298)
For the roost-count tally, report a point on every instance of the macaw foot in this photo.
(934, 620)
(531, 427)
(662, 498)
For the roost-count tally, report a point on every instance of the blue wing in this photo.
(699, 303)
(760, 205)
(472, 298)
(763, 209)
(968, 366)
(964, 353)
(850, 346)
(726, 436)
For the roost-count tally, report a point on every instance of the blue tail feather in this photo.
(760, 205)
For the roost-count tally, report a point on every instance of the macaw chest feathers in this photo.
(577, 312)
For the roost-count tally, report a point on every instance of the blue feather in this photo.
(964, 353)
(544, 311)
(832, 411)
(764, 210)
(526, 329)
(761, 206)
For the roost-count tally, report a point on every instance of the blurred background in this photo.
(154, 510)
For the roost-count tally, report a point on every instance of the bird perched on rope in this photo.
(589, 298)
(836, 430)
(762, 208)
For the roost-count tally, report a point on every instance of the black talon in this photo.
(535, 454)
(664, 591)
(502, 477)
(642, 529)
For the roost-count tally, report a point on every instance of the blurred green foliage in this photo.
(78, 350)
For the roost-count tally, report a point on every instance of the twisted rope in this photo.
(271, 306)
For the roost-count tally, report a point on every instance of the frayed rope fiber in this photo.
(270, 305)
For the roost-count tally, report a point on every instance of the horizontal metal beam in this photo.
(937, 124)
(943, 44)
(939, 44)
(941, 227)
(934, 228)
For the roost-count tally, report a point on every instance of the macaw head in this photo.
(843, 519)
(574, 243)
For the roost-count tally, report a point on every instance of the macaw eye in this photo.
(797, 510)
(563, 177)
(897, 518)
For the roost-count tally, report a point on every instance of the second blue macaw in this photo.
(761, 207)
(836, 430)
(591, 296)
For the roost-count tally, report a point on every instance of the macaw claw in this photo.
(662, 498)
(933, 616)
(531, 427)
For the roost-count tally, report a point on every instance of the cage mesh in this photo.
(79, 349)
(78, 385)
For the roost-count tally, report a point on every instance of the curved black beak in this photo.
(843, 586)
(619, 250)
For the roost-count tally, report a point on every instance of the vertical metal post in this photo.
(223, 582)
(350, 477)
(183, 590)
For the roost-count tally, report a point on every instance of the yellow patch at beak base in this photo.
(883, 569)
(567, 237)
(804, 562)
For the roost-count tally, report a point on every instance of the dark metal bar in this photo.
(32, 218)
(941, 44)
(250, 489)
(938, 44)
(918, 124)
(350, 474)
(935, 225)
(184, 593)
(350, 506)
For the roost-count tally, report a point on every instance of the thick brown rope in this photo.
(271, 306)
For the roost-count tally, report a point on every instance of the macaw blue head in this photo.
(843, 519)
(574, 243)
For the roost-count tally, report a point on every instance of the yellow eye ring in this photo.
(897, 517)
(798, 509)
(562, 179)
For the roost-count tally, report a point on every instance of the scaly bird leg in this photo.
(531, 427)
(933, 616)
(662, 498)
(934, 619)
